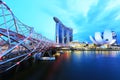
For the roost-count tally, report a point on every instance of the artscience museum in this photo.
(106, 37)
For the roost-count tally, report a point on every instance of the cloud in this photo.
(84, 16)
(101, 16)
(87, 17)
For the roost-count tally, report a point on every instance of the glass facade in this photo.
(60, 34)
(63, 34)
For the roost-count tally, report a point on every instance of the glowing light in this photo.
(0, 34)
(18, 63)
(47, 58)
(57, 54)
(29, 54)
(1, 58)
(17, 47)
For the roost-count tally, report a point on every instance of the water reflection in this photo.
(77, 54)
(92, 65)
(80, 65)
(98, 53)
(82, 56)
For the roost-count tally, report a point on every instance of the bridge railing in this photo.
(17, 40)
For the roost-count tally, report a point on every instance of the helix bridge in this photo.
(18, 41)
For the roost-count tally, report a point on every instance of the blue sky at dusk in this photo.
(84, 16)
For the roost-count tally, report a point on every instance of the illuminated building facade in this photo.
(107, 37)
(63, 34)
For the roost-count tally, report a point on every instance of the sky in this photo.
(85, 16)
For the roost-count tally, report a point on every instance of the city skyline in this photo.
(85, 17)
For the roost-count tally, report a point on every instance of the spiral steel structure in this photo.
(17, 40)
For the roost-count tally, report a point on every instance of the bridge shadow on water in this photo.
(72, 66)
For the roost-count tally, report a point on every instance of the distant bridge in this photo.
(18, 41)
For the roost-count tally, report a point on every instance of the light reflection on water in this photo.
(95, 55)
(91, 65)
(98, 53)
(79, 65)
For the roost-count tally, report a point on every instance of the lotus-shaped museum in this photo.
(106, 37)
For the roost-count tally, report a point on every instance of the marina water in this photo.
(75, 65)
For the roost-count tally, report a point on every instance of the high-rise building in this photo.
(63, 34)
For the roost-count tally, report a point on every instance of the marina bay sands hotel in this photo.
(64, 34)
